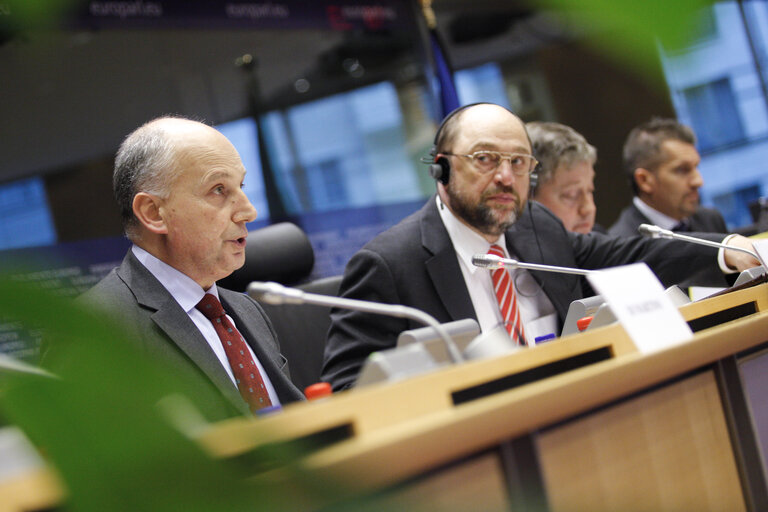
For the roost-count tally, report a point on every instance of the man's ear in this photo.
(146, 208)
(645, 180)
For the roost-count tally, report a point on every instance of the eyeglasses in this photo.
(489, 161)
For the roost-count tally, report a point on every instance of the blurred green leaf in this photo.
(99, 423)
(628, 31)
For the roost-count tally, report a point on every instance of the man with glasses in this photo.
(482, 164)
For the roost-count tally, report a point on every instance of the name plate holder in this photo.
(637, 299)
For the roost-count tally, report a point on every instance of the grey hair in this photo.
(556, 144)
(642, 148)
(142, 164)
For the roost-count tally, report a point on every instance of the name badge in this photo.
(639, 303)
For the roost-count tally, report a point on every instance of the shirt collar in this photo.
(655, 216)
(182, 288)
(466, 241)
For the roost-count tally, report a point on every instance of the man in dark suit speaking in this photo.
(482, 164)
(178, 185)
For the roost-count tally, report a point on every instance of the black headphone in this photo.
(440, 167)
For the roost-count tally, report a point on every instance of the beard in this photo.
(482, 217)
(689, 204)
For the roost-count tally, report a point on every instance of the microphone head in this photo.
(274, 293)
(648, 230)
(654, 231)
(487, 261)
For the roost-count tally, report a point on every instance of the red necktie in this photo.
(505, 294)
(247, 376)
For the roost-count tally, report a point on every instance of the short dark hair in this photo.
(142, 164)
(555, 144)
(642, 148)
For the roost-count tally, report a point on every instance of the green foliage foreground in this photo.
(99, 422)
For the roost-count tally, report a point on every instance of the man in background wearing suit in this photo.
(566, 174)
(482, 164)
(661, 163)
(178, 185)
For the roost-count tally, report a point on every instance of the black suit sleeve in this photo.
(354, 335)
(670, 260)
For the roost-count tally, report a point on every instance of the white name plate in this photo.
(637, 298)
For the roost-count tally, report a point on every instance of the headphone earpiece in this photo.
(440, 170)
(440, 167)
(534, 181)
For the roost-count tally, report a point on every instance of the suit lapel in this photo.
(177, 326)
(637, 216)
(443, 267)
(522, 242)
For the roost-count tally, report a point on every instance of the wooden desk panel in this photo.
(386, 457)
(34, 490)
(756, 294)
(474, 484)
(668, 450)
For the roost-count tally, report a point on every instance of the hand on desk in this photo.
(740, 260)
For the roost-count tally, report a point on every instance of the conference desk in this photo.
(582, 423)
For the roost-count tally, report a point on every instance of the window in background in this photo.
(26, 218)
(348, 150)
(717, 89)
(482, 83)
(344, 151)
(731, 202)
(705, 27)
(714, 101)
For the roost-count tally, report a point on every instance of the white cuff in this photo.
(721, 257)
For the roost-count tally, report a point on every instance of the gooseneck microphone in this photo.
(657, 232)
(275, 293)
(491, 261)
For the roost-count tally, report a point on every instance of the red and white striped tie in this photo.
(505, 294)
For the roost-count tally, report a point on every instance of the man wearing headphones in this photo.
(482, 165)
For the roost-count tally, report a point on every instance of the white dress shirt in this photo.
(667, 222)
(187, 294)
(656, 217)
(536, 310)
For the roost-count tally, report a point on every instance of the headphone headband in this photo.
(453, 113)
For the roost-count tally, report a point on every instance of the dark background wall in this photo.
(603, 101)
(74, 94)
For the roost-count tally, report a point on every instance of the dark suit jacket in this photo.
(164, 332)
(705, 220)
(414, 264)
